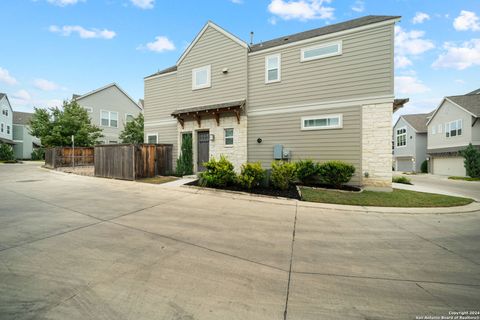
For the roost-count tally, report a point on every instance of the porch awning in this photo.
(196, 113)
(398, 103)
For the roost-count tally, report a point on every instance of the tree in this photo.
(185, 161)
(472, 161)
(133, 132)
(6, 152)
(55, 127)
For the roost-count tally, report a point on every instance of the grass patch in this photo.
(464, 178)
(397, 198)
(157, 180)
(401, 179)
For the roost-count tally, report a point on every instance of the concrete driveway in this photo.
(76, 247)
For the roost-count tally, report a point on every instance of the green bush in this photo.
(251, 176)
(307, 171)
(472, 161)
(185, 161)
(38, 154)
(6, 152)
(283, 174)
(336, 173)
(218, 173)
(401, 179)
(424, 167)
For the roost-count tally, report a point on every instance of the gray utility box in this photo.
(278, 152)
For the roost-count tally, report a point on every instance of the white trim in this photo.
(207, 68)
(225, 137)
(151, 135)
(323, 116)
(339, 52)
(441, 104)
(205, 27)
(113, 84)
(327, 36)
(279, 68)
(321, 105)
(160, 123)
(159, 75)
(396, 137)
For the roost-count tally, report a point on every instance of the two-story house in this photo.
(6, 120)
(410, 142)
(323, 94)
(453, 125)
(110, 108)
(25, 143)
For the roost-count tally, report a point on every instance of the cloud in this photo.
(460, 81)
(467, 20)
(272, 20)
(161, 44)
(22, 95)
(302, 10)
(237, 1)
(358, 6)
(23, 100)
(82, 32)
(409, 44)
(63, 3)
(402, 61)
(409, 85)
(45, 85)
(5, 77)
(420, 17)
(143, 4)
(459, 57)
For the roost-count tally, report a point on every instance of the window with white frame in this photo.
(201, 78)
(152, 138)
(272, 68)
(8, 129)
(453, 128)
(129, 118)
(89, 109)
(321, 51)
(229, 136)
(401, 137)
(434, 129)
(334, 121)
(439, 128)
(109, 119)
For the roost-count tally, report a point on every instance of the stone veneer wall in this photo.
(377, 146)
(237, 153)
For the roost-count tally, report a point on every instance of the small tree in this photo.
(472, 161)
(133, 132)
(56, 126)
(6, 152)
(185, 160)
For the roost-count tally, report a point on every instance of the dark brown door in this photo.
(202, 147)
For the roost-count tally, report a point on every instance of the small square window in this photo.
(229, 136)
(201, 77)
(152, 138)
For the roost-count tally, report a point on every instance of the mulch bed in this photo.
(291, 193)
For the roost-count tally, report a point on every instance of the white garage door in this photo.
(404, 165)
(452, 166)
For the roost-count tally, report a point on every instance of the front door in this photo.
(202, 149)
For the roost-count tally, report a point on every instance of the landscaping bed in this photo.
(158, 179)
(464, 178)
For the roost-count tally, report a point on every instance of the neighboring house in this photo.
(6, 118)
(323, 94)
(453, 125)
(25, 143)
(410, 142)
(109, 107)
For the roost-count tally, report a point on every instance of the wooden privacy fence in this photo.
(67, 157)
(130, 162)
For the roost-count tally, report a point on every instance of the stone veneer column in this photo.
(377, 147)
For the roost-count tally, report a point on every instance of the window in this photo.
(112, 142)
(229, 136)
(439, 129)
(272, 68)
(109, 119)
(129, 118)
(322, 122)
(89, 109)
(434, 129)
(152, 138)
(1, 127)
(5, 112)
(321, 51)
(8, 129)
(201, 78)
(401, 137)
(453, 128)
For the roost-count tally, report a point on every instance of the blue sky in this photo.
(53, 48)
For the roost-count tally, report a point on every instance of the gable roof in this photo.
(469, 102)
(6, 97)
(22, 118)
(417, 121)
(164, 71)
(475, 91)
(113, 84)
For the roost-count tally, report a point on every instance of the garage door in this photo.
(452, 166)
(404, 165)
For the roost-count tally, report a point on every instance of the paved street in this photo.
(74, 247)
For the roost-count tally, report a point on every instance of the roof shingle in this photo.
(418, 121)
(470, 102)
(22, 118)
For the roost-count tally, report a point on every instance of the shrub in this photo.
(472, 161)
(336, 173)
(307, 171)
(185, 161)
(6, 152)
(283, 174)
(38, 154)
(251, 175)
(424, 167)
(218, 173)
(401, 179)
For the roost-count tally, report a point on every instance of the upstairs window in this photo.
(272, 68)
(434, 129)
(229, 136)
(201, 78)
(401, 137)
(8, 129)
(129, 118)
(321, 51)
(453, 128)
(109, 119)
(1, 127)
(89, 109)
(322, 122)
(5, 112)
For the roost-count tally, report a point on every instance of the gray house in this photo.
(410, 142)
(453, 125)
(110, 107)
(323, 94)
(6, 120)
(25, 143)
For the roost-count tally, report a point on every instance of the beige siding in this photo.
(365, 69)
(320, 145)
(215, 49)
(167, 133)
